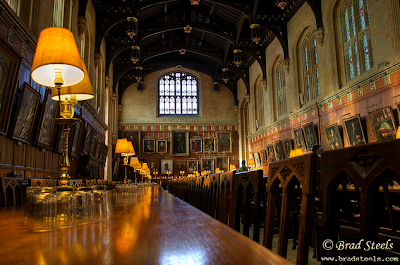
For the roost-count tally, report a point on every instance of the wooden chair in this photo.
(214, 193)
(75, 183)
(206, 196)
(285, 176)
(247, 198)
(198, 192)
(226, 184)
(12, 191)
(90, 182)
(43, 182)
(360, 198)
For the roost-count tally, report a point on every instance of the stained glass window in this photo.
(279, 80)
(350, 56)
(347, 24)
(357, 58)
(366, 52)
(311, 88)
(178, 94)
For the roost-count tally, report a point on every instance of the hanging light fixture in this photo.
(195, 2)
(216, 87)
(187, 29)
(225, 76)
(135, 54)
(255, 36)
(130, 28)
(236, 57)
(281, 3)
(138, 74)
(182, 51)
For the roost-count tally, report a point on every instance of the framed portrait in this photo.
(333, 137)
(153, 166)
(299, 138)
(10, 64)
(287, 146)
(196, 145)
(167, 165)
(180, 143)
(104, 153)
(25, 114)
(222, 163)
(149, 146)
(263, 158)
(47, 127)
(224, 142)
(383, 125)
(134, 137)
(310, 135)
(279, 152)
(270, 153)
(209, 145)
(257, 159)
(353, 130)
(192, 166)
(76, 139)
(60, 140)
(86, 141)
(97, 152)
(207, 164)
(162, 146)
(93, 142)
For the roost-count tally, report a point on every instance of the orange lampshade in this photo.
(56, 49)
(232, 167)
(82, 90)
(145, 167)
(122, 146)
(292, 153)
(217, 170)
(131, 149)
(398, 133)
(251, 162)
(299, 152)
(134, 162)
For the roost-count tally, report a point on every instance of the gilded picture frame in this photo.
(149, 146)
(196, 145)
(179, 143)
(257, 160)
(162, 146)
(25, 114)
(279, 152)
(76, 137)
(222, 163)
(192, 166)
(287, 146)
(135, 138)
(333, 137)
(310, 135)
(86, 142)
(383, 124)
(209, 145)
(224, 142)
(207, 164)
(93, 142)
(270, 153)
(47, 128)
(353, 130)
(299, 140)
(167, 165)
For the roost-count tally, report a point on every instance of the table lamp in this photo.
(292, 153)
(136, 165)
(299, 152)
(251, 163)
(398, 133)
(57, 64)
(217, 170)
(125, 148)
(232, 167)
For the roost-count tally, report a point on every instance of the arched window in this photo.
(177, 94)
(259, 104)
(356, 37)
(58, 15)
(311, 87)
(280, 106)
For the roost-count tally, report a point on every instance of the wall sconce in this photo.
(225, 76)
(280, 3)
(195, 2)
(255, 35)
(236, 57)
(130, 28)
(138, 73)
(135, 54)
(187, 29)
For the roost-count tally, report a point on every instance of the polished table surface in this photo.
(149, 227)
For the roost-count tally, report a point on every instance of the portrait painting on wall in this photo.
(149, 146)
(310, 135)
(287, 146)
(383, 124)
(10, 64)
(134, 137)
(257, 159)
(224, 142)
(270, 153)
(26, 114)
(196, 145)
(222, 163)
(354, 131)
(86, 142)
(333, 137)
(209, 145)
(263, 158)
(162, 146)
(179, 143)
(299, 138)
(207, 164)
(278, 148)
(93, 142)
(153, 166)
(47, 127)
(192, 166)
(167, 165)
(76, 139)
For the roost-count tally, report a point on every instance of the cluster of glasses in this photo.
(48, 208)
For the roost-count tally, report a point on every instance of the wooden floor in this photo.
(149, 227)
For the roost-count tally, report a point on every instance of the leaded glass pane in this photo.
(178, 87)
(189, 99)
(172, 88)
(194, 101)
(362, 18)
(184, 88)
(306, 57)
(347, 24)
(351, 67)
(280, 105)
(194, 88)
(279, 81)
(315, 51)
(308, 88)
(171, 105)
(357, 58)
(184, 105)
(162, 88)
(366, 52)
(366, 13)
(178, 105)
(317, 75)
(167, 105)
(166, 87)
(353, 21)
(162, 110)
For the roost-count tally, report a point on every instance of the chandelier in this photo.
(187, 29)
(138, 74)
(281, 3)
(135, 54)
(236, 57)
(130, 28)
(182, 51)
(225, 76)
(195, 2)
(255, 36)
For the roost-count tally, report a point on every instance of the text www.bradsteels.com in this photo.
(367, 246)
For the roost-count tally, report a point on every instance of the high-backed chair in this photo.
(12, 191)
(214, 193)
(291, 176)
(360, 196)
(75, 182)
(43, 182)
(247, 198)
(197, 192)
(226, 184)
(206, 196)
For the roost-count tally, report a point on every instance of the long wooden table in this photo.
(149, 227)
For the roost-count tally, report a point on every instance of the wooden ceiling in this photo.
(217, 29)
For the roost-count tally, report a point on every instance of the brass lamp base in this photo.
(68, 122)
